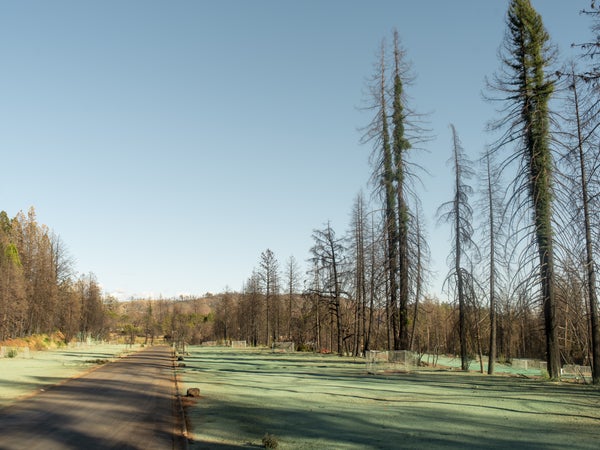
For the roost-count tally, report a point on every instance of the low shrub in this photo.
(306, 348)
(97, 361)
(270, 441)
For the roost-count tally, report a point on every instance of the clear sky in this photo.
(169, 143)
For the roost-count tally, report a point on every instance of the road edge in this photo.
(181, 430)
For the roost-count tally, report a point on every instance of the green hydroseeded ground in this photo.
(28, 374)
(310, 401)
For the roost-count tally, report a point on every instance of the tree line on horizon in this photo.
(41, 294)
(39, 290)
(522, 268)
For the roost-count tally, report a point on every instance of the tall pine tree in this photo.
(526, 56)
(399, 147)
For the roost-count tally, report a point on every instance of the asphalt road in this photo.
(127, 404)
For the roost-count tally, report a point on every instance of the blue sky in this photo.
(170, 143)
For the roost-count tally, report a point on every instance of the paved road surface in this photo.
(127, 404)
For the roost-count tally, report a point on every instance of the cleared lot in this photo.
(310, 401)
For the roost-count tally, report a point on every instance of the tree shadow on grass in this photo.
(428, 384)
(416, 410)
(409, 426)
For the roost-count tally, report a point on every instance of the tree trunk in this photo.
(492, 270)
(590, 268)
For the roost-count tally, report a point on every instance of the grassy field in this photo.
(27, 373)
(310, 401)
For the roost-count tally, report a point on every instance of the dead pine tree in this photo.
(293, 280)
(491, 207)
(420, 257)
(395, 130)
(269, 278)
(459, 214)
(582, 159)
(400, 146)
(357, 249)
(384, 179)
(327, 254)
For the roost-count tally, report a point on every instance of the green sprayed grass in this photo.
(310, 401)
(28, 374)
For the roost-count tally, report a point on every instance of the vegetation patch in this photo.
(270, 441)
(37, 341)
(97, 361)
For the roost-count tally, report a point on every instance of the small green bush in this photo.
(305, 348)
(12, 353)
(502, 359)
(269, 441)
